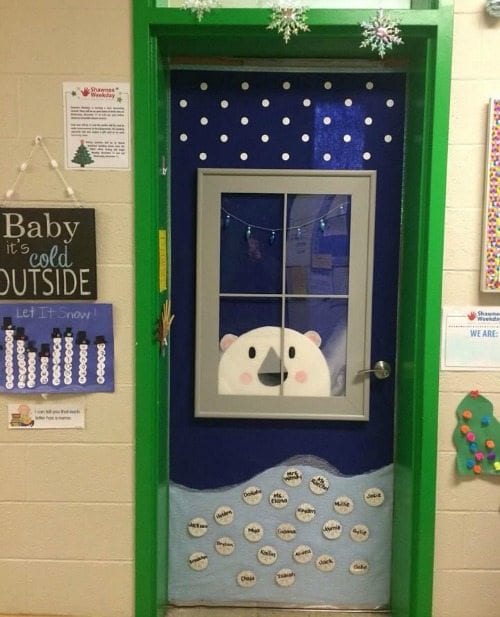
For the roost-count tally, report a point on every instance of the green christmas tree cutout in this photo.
(82, 155)
(477, 437)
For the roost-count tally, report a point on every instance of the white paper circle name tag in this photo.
(267, 555)
(252, 495)
(303, 553)
(343, 505)
(359, 566)
(319, 485)
(374, 497)
(325, 563)
(305, 512)
(286, 532)
(198, 561)
(253, 532)
(278, 498)
(197, 527)
(332, 529)
(292, 477)
(224, 546)
(360, 533)
(224, 515)
(285, 577)
(246, 578)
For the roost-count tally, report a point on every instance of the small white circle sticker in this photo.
(267, 555)
(305, 512)
(286, 532)
(253, 532)
(252, 495)
(319, 485)
(343, 505)
(198, 561)
(374, 497)
(224, 546)
(325, 563)
(359, 566)
(303, 554)
(292, 477)
(285, 577)
(197, 527)
(360, 533)
(224, 515)
(246, 578)
(278, 498)
(332, 529)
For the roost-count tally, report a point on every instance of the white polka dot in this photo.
(327, 85)
(203, 85)
(245, 85)
(369, 85)
(390, 103)
(265, 103)
(327, 157)
(306, 102)
(183, 137)
(327, 120)
(285, 120)
(347, 138)
(224, 138)
(204, 121)
(348, 102)
(203, 156)
(305, 138)
(224, 104)
(264, 138)
(183, 103)
(367, 156)
(244, 120)
(286, 85)
(244, 156)
(285, 156)
(368, 121)
(387, 139)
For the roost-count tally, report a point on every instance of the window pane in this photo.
(251, 246)
(316, 365)
(317, 250)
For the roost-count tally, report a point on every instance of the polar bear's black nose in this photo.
(269, 372)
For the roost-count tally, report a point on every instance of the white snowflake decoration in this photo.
(381, 33)
(288, 18)
(200, 7)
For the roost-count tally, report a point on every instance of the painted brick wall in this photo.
(66, 517)
(467, 567)
(66, 497)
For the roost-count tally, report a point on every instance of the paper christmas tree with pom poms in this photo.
(477, 437)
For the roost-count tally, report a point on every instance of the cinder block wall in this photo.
(66, 497)
(467, 566)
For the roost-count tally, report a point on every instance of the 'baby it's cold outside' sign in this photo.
(47, 254)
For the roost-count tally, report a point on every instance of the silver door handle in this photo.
(381, 370)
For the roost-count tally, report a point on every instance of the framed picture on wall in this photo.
(490, 273)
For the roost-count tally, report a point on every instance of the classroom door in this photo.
(279, 496)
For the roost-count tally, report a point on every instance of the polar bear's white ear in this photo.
(226, 341)
(314, 337)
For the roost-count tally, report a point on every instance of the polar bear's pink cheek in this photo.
(301, 376)
(246, 379)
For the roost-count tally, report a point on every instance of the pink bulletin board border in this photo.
(490, 277)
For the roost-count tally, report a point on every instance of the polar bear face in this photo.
(252, 363)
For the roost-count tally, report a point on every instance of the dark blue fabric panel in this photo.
(281, 120)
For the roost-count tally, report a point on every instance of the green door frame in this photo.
(162, 33)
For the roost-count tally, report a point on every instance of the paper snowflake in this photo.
(288, 18)
(200, 7)
(381, 33)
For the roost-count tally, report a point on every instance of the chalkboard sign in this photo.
(47, 254)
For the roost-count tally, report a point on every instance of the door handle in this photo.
(381, 370)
